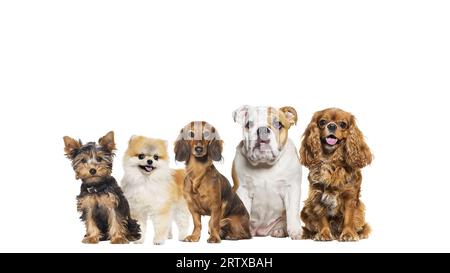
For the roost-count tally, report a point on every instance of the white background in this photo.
(82, 68)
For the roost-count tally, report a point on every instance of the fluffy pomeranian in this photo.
(153, 189)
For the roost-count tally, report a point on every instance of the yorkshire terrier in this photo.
(103, 206)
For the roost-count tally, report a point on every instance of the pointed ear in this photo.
(71, 146)
(240, 114)
(107, 141)
(290, 113)
(133, 137)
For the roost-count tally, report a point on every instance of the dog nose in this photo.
(332, 127)
(199, 149)
(149, 162)
(263, 133)
(92, 171)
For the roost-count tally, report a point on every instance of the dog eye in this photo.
(191, 134)
(343, 125)
(205, 134)
(141, 156)
(155, 157)
(84, 160)
(99, 159)
(322, 122)
(249, 124)
(278, 125)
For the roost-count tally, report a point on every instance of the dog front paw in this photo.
(158, 242)
(295, 235)
(279, 233)
(214, 239)
(192, 238)
(323, 236)
(91, 239)
(348, 235)
(119, 240)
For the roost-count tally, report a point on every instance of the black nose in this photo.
(149, 162)
(263, 133)
(332, 127)
(92, 171)
(199, 149)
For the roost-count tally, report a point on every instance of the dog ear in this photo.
(358, 152)
(132, 138)
(181, 150)
(215, 150)
(311, 148)
(107, 141)
(71, 147)
(290, 113)
(240, 114)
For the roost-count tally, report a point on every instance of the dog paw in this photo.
(192, 238)
(279, 233)
(119, 240)
(158, 242)
(363, 236)
(323, 236)
(91, 240)
(295, 235)
(348, 235)
(214, 240)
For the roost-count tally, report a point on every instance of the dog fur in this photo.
(206, 190)
(154, 189)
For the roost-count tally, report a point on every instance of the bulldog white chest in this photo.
(270, 193)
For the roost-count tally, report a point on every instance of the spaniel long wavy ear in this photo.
(311, 148)
(358, 153)
(181, 149)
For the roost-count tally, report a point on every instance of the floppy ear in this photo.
(71, 147)
(215, 150)
(311, 148)
(240, 114)
(107, 141)
(181, 149)
(358, 153)
(290, 114)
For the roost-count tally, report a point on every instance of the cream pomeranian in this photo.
(153, 189)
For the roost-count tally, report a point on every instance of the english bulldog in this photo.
(268, 171)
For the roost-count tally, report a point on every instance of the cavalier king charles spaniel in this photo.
(334, 150)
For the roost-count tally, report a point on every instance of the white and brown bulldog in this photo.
(268, 169)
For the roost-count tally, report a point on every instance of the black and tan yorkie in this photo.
(103, 207)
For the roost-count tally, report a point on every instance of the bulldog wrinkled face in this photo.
(265, 131)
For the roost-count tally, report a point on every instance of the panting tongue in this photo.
(331, 141)
(148, 168)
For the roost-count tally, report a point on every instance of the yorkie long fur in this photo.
(104, 209)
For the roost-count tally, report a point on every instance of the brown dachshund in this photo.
(206, 190)
(334, 150)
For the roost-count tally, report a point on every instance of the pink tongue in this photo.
(331, 141)
(148, 169)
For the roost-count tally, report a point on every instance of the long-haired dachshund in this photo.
(206, 191)
(334, 150)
